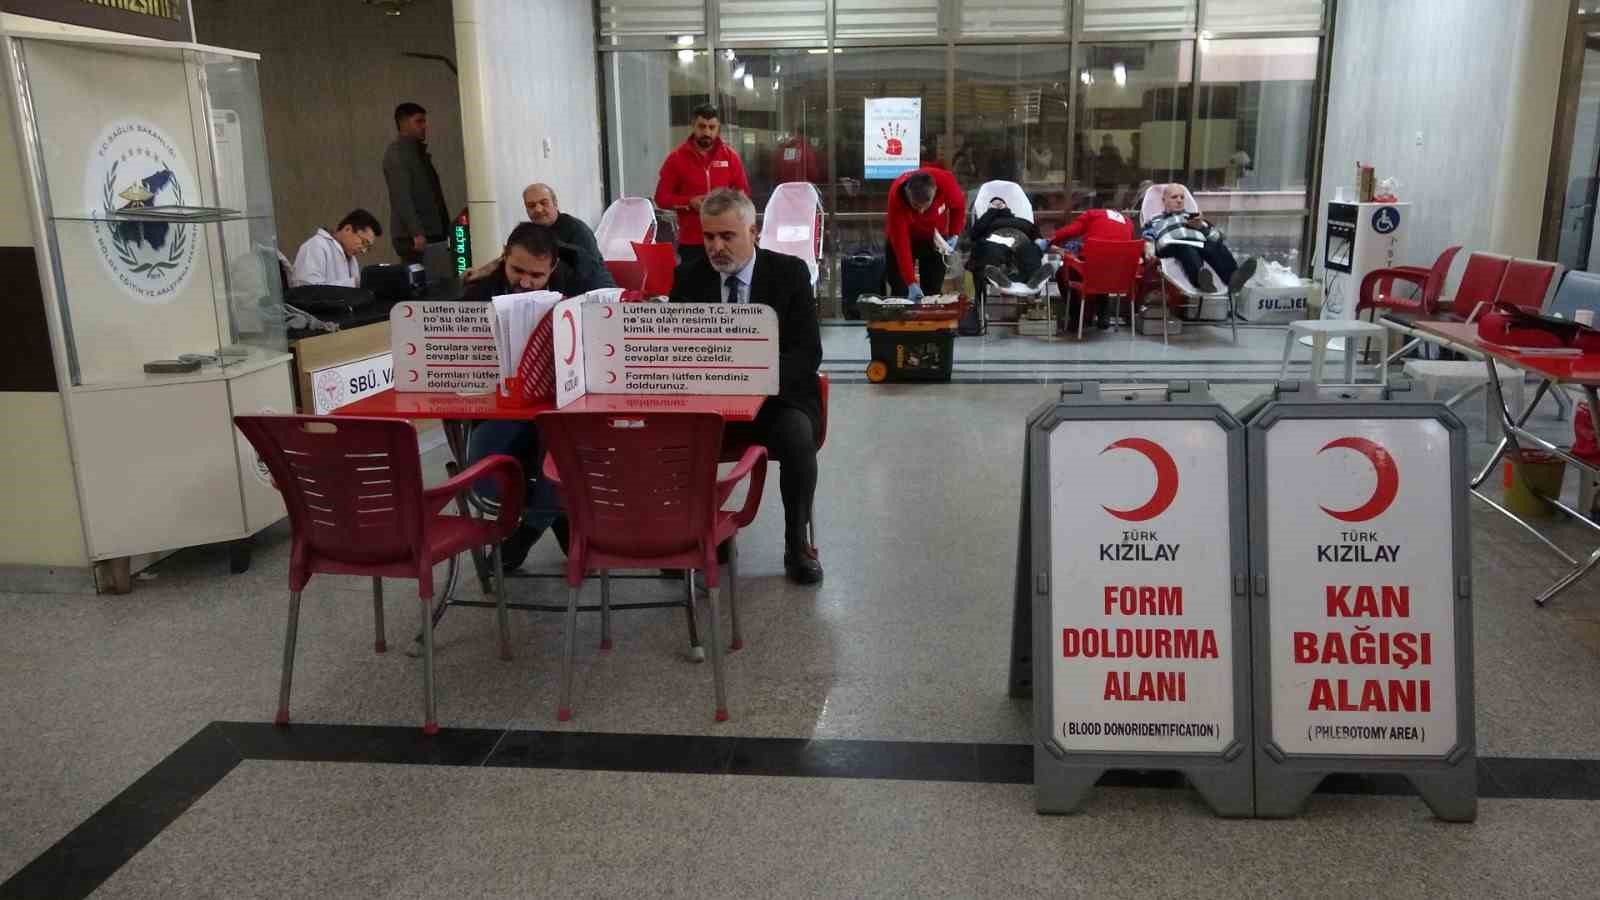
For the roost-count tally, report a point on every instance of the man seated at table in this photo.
(734, 270)
(540, 202)
(330, 257)
(531, 261)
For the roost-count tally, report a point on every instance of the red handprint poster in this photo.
(893, 136)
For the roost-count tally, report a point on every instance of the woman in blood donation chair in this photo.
(1191, 240)
(1091, 224)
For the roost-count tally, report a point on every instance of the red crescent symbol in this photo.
(1383, 493)
(411, 349)
(1166, 479)
(414, 376)
(611, 377)
(572, 337)
(607, 311)
(408, 312)
(611, 349)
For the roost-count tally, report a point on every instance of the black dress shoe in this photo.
(1244, 273)
(562, 532)
(802, 567)
(514, 549)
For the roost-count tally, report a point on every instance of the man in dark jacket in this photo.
(417, 210)
(540, 202)
(532, 261)
(734, 271)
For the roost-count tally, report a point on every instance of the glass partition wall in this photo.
(1082, 102)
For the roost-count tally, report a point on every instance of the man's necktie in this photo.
(733, 289)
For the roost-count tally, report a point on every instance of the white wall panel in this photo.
(533, 80)
(1477, 80)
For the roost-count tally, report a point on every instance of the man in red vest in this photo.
(1090, 225)
(699, 166)
(921, 202)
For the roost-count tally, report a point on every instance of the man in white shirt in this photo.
(331, 258)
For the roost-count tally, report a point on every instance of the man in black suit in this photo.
(735, 271)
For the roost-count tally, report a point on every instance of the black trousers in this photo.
(1214, 253)
(791, 442)
(930, 268)
(688, 253)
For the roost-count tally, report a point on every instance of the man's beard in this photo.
(704, 143)
(725, 264)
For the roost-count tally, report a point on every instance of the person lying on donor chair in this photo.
(533, 260)
(734, 270)
(1194, 243)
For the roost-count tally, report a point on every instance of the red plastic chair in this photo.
(1106, 268)
(1377, 288)
(641, 492)
(1480, 282)
(732, 451)
(353, 489)
(629, 274)
(1528, 283)
(659, 261)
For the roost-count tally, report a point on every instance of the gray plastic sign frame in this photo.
(1063, 778)
(1284, 782)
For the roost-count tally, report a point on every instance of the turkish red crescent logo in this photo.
(607, 311)
(611, 349)
(411, 349)
(1166, 479)
(414, 376)
(572, 337)
(611, 378)
(408, 312)
(1383, 493)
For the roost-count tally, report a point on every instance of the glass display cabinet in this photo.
(153, 220)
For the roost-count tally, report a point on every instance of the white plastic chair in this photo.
(792, 224)
(1009, 191)
(626, 220)
(1172, 273)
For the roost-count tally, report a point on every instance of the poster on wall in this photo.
(893, 138)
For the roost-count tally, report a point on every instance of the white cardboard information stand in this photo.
(600, 347)
(443, 347)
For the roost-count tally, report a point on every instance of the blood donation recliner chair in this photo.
(1175, 284)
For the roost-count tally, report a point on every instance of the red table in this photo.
(458, 412)
(1582, 371)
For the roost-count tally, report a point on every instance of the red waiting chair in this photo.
(659, 261)
(732, 451)
(1480, 282)
(353, 489)
(641, 492)
(1107, 268)
(1378, 287)
(1528, 283)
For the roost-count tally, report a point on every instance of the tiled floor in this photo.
(905, 641)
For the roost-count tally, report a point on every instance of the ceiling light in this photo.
(749, 82)
(685, 40)
(1119, 74)
(686, 56)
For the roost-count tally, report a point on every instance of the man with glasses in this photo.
(330, 258)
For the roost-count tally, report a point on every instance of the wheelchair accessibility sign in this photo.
(1385, 220)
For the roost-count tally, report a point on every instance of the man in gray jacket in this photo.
(417, 211)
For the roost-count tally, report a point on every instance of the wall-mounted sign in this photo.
(893, 138)
(135, 166)
(168, 20)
